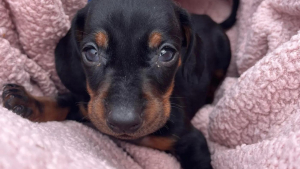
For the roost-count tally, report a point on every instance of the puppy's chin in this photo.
(147, 128)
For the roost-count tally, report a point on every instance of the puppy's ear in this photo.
(77, 27)
(68, 56)
(188, 37)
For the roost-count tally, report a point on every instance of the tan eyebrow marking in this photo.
(155, 39)
(102, 39)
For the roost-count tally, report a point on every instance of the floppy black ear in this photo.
(68, 56)
(77, 27)
(188, 37)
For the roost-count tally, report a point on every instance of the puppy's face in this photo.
(130, 51)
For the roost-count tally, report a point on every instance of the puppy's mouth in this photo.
(125, 136)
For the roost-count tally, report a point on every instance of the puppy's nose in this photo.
(122, 120)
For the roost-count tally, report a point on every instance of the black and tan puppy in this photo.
(138, 70)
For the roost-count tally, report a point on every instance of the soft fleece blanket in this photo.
(253, 123)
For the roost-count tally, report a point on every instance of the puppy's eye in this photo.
(91, 55)
(166, 54)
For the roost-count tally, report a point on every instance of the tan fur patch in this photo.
(155, 39)
(152, 106)
(102, 39)
(166, 100)
(96, 108)
(158, 108)
(51, 111)
(96, 104)
(159, 143)
(179, 62)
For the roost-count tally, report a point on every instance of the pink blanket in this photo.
(253, 123)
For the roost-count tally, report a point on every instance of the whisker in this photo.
(177, 105)
(176, 136)
(171, 120)
(167, 127)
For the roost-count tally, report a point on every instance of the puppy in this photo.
(138, 70)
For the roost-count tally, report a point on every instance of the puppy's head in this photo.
(130, 52)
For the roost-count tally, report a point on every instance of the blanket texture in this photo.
(254, 121)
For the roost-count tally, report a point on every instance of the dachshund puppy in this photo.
(138, 70)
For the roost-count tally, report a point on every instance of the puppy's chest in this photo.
(157, 142)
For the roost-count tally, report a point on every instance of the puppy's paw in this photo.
(16, 98)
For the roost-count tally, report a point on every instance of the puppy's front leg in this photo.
(37, 109)
(192, 151)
